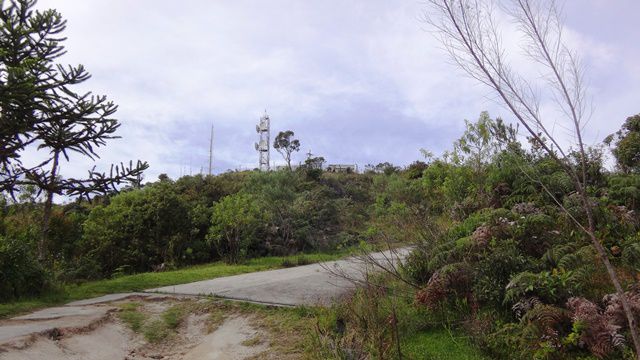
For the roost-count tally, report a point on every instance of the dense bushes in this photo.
(136, 231)
(523, 268)
(20, 273)
(499, 259)
(194, 219)
(518, 268)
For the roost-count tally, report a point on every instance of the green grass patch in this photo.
(153, 329)
(24, 306)
(174, 316)
(142, 281)
(130, 315)
(256, 340)
(440, 345)
(156, 331)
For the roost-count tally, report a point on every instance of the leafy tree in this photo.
(234, 224)
(39, 107)
(286, 145)
(315, 162)
(276, 194)
(627, 145)
(476, 145)
(313, 167)
(137, 230)
(415, 169)
(386, 168)
(481, 142)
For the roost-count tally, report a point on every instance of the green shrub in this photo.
(235, 222)
(20, 273)
(416, 265)
(625, 190)
(492, 273)
(138, 229)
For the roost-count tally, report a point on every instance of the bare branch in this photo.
(470, 34)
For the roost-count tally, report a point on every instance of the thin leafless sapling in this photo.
(470, 33)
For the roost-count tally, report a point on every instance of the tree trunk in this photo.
(43, 244)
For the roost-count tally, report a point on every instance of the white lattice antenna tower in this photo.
(263, 129)
(211, 152)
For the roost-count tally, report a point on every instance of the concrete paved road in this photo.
(315, 284)
(49, 319)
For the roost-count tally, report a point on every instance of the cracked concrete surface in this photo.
(315, 284)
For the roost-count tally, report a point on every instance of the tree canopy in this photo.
(285, 144)
(626, 144)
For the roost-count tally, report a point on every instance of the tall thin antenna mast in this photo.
(211, 151)
(263, 129)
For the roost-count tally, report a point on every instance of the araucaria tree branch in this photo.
(469, 32)
(39, 108)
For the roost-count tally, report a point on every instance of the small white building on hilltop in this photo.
(342, 168)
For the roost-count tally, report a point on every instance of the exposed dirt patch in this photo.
(232, 340)
(108, 341)
(170, 329)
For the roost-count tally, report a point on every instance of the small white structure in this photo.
(342, 168)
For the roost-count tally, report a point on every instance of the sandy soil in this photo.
(227, 342)
(234, 337)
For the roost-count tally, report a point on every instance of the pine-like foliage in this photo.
(41, 108)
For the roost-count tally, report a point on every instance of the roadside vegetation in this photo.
(500, 267)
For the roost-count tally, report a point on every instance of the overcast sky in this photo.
(358, 81)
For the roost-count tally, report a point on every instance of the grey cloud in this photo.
(358, 81)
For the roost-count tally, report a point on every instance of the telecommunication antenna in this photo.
(262, 146)
(211, 151)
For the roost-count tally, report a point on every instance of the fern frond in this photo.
(520, 284)
(554, 254)
(576, 259)
(547, 317)
(600, 335)
(631, 255)
(524, 305)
